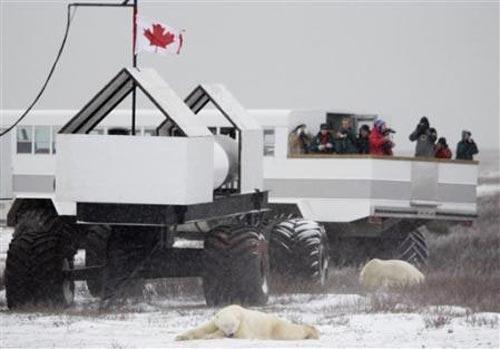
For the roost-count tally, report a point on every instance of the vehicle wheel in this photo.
(95, 255)
(299, 252)
(236, 266)
(413, 249)
(124, 256)
(38, 254)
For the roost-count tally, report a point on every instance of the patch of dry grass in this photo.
(482, 320)
(463, 268)
(436, 320)
(476, 292)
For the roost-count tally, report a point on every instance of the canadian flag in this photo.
(153, 36)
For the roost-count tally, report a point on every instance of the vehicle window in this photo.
(42, 139)
(213, 130)
(24, 139)
(269, 142)
(55, 129)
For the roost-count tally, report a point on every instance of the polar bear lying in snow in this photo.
(378, 273)
(237, 322)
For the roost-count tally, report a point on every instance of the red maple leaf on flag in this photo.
(158, 37)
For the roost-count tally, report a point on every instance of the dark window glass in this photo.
(269, 142)
(24, 139)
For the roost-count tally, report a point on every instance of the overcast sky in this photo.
(400, 59)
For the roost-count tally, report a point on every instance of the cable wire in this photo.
(49, 76)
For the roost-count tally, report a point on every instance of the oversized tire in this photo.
(236, 266)
(299, 252)
(95, 255)
(40, 251)
(413, 249)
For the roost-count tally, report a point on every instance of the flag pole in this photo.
(134, 64)
(125, 3)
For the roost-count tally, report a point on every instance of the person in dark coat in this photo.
(441, 149)
(425, 137)
(345, 140)
(363, 140)
(466, 148)
(323, 142)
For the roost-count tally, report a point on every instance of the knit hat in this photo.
(424, 120)
(379, 124)
(365, 127)
(324, 127)
(298, 127)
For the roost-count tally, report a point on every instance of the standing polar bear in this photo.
(237, 322)
(378, 274)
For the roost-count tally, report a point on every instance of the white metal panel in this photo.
(281, 142)
(391, 170)
(34, 164)
(140, 170)
(318, 168)
(344, 189)
(169, 101)
(424, 183)
(332, 210)
(252, 143)
(458, 173)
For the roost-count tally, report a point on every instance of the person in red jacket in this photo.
(441, 149)
(380, 143)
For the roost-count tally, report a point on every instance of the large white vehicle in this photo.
(369, 206)
(223, 176)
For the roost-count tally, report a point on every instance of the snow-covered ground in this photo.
(344, 320)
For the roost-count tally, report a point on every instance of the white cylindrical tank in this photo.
(221, 165)
(225, 160)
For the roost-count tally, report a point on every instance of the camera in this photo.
(388, 131)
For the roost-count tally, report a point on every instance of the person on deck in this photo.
(299, 140)
(345, 140)
(323, 142)
(380, 142)
(363, 140)
(466, 148)
(425, 137)
(441, 149)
